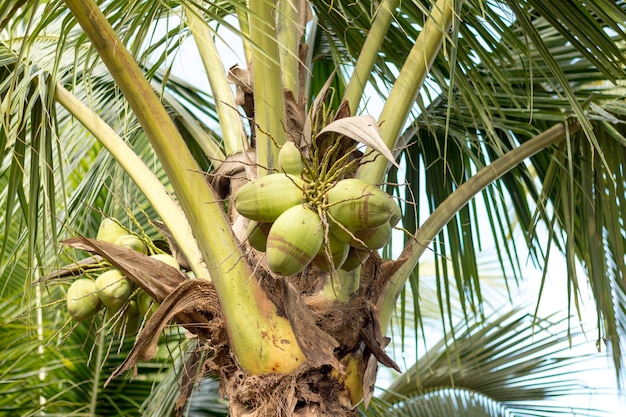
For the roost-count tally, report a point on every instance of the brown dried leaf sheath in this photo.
(194, 299)
(363, 129)
(156, 277)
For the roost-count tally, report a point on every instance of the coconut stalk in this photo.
(250, 316)
(269, 103)
(233, 133)
(456, 201)
(369, 54)
(288, 34)
(404, 93)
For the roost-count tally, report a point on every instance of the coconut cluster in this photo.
(300, 219)
(124, 303)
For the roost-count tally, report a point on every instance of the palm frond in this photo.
(442, 402)
(54, 181)
(207, 402)
(512, 363)
(494, 107)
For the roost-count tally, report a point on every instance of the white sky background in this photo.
(188, 66)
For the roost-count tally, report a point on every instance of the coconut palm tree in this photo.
(497, 117)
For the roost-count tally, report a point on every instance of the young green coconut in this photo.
(299, 203)
(266, 198)
(290, 159)
(294, 240)
(82, 300)
(113, 289)
(132, 242)
(110, 230)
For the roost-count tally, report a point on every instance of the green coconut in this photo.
(113, 289)
(132, 242)
(110, 230)
(82, 300)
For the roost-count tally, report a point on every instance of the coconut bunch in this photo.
(308, 213)
(125, 303)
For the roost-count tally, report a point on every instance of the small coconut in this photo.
(147, 306)
(110, 230)
(132, 242)
(82, 301)
(290, 159)
(356, 257)
(113, 289)
(125, 321)
(257, 234)
(166, 258)
(338, 251)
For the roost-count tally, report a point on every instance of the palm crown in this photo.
(520, 102)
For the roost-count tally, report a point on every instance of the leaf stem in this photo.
(269, 105)
(456, 201)
(369, 54)
(289, 32)
(165, 206)
(233, 133)
(404, 92)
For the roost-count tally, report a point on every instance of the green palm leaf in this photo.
(512, 364)
(494, 107)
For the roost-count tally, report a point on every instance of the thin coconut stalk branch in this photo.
(169, 211)
(248, 312)
(233, 133)
(369, 54)
(95, 382)
(458, 199)
(406, 88)
(269, 104)
(288, 33)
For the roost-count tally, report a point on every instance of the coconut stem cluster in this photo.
(309, 213)
(125, 304)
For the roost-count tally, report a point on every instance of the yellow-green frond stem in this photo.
(138, 171)
(269, 104)
(244, 26)
(457, 200)
(262, 340)
(404, 92)
(369, 53)
(289, 33)
(233, 133)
